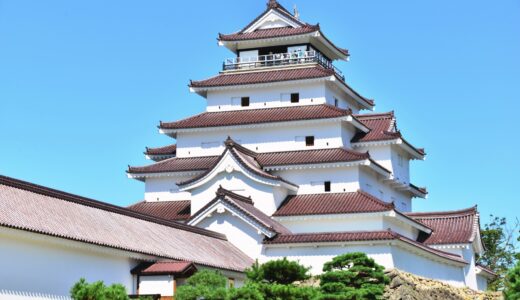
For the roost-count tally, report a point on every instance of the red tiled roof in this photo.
(258, 116)
(225, 79)
(178, 268)
(265, 160)
(246, 157)
(269, 33)
(245, 205)
(331, 203)
(449, 227)
(382, 128)
(176, 164)
(354, 236)
(309, 157)
(169, 210)
(166, 150)
(33, 208)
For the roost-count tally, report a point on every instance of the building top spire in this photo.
(273, 4)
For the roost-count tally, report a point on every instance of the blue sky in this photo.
(83, 85)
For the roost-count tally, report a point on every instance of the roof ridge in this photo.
(375, 116)
(445, 214)
(363, 154)
(222, 192)
(65, 196)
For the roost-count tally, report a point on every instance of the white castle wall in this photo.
(369, 183)
(389, 256)
(328, 134)
(318, 92)
(165, 189)
(311, 181)
(422, 266)
(161, 284)
(40, 264)
(240, 234)
(315, 257)
(266, 198)
(347, 222)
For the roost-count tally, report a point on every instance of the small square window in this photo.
(295, 97)
(326, 185)
(244, 101)
(309, 140)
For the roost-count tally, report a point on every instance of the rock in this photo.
(405, 286)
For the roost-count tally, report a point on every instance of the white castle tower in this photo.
(286, 163)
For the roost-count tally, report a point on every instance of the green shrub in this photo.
(210, 285)
(82, 290)
(281, 271)
(352, 276)
(512, 283)
(247, 292)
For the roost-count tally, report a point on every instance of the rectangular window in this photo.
(295, 97)
(336, 102)
(326, 185)
(244, 101)
(231, 283)
(309, 140)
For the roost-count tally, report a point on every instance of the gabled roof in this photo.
(258, 116)
(177, 164)
(265, 161)
(357, 236)
(245, 158)
(294, 27)
(168, 210)
(168, 267)
(41, 210)
(302, 157)
(246, 206)
(382, 128)
(331, 203)
(270, 33)
(267, 76)
(161, 153)
(449, 227)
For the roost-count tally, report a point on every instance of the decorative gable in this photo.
(273, 19)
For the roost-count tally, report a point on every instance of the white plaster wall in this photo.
(162, 284)
(368, 182)
(344, 100)
(400, 227)
(164, 189)
(334, 223)
(315, 257)
(422, 266)
(387, 156)
(261, 139)
(310, 181)
(482, 283)
(265, 97)
(48, 267)
(266, 198)
(239, 233)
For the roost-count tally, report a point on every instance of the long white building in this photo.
(286, 163)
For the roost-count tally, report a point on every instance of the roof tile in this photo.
(169, 210)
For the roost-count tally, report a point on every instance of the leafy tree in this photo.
(352, 276)
(82, 290)
(281, 271)
(210, 285)
(512, 283)
(247, 292)
(275, 280)
(500, 255)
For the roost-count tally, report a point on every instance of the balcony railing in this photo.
(280, 59)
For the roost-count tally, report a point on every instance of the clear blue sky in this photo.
(83, 85)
